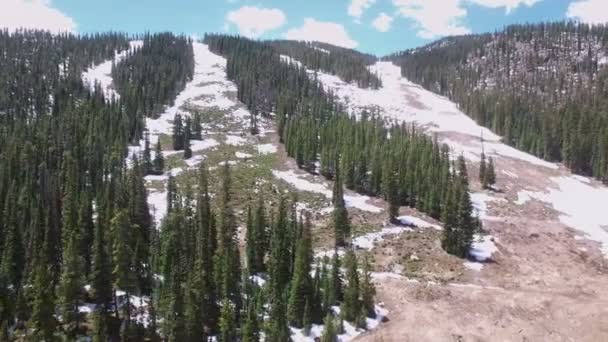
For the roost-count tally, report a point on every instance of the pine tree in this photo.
(490, 174)
(100, 325)
(329, 333)
(146, 156)
(12, 261)
(250, 248)
(301, 285)
(71, 288)
(42, 323)
(227, 324)
(101, 280)
(197, 127)
(277, 327)
(187, 138)
(178, 133)
(260, 237)
(159, 159)
(340, 220)
(280, 258)
(351, 305)
(482, 171)
(251, 326)
(367, 289)
(228, 257)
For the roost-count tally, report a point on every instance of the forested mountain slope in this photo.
(350, 65)
(543, 87)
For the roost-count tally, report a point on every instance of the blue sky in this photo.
(375, 26)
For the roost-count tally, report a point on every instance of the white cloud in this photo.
(589, 11)
(356, 7)
(383, 22)
(434, 18)
(34, 14)
(253, 21)
(509, 5)
(320, 31)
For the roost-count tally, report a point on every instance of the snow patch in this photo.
(481, 251)
(267, 149)
(102, 73)
(235, 140)
(351, 201)
(417, 222)
(200, 145)
(242, 155)
(480, 204)
(582, 205)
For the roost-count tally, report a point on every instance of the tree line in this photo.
(350, 65)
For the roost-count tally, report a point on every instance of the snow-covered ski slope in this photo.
(102, 73)
(580, 201)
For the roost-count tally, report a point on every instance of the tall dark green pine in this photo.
(122, 257)
(351, 305)
(482, 171)
(277, 328)
(205, 252)
(251, 324)
(42, 323)
(391, 190)
(340, 220)
(330, 333)
(490, 174)
(250, 248)
(146, 155)
(260, 237)
(101, 283)
(70, 288)
(178, 133)
(279, 259)
(197, 127)
(301, 291)
(187, 138)
(228, 261)
(227, 324)
(367, 289)
(158, 163)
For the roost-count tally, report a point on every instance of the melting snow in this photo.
(200, 145)
(267, 149)
(480, 204)
(417, 222)
(352, 201)
(350, 331)
(235, 140)
(481, 251)
(102, 73)
(583, 206)
(242, 155)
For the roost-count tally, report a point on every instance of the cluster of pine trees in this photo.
(206, 291)
(150, 77)
(72, 213)
(398, 163)
(267, 85)
(542, 87)
(349, 65)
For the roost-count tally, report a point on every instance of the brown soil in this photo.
(543, 284)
